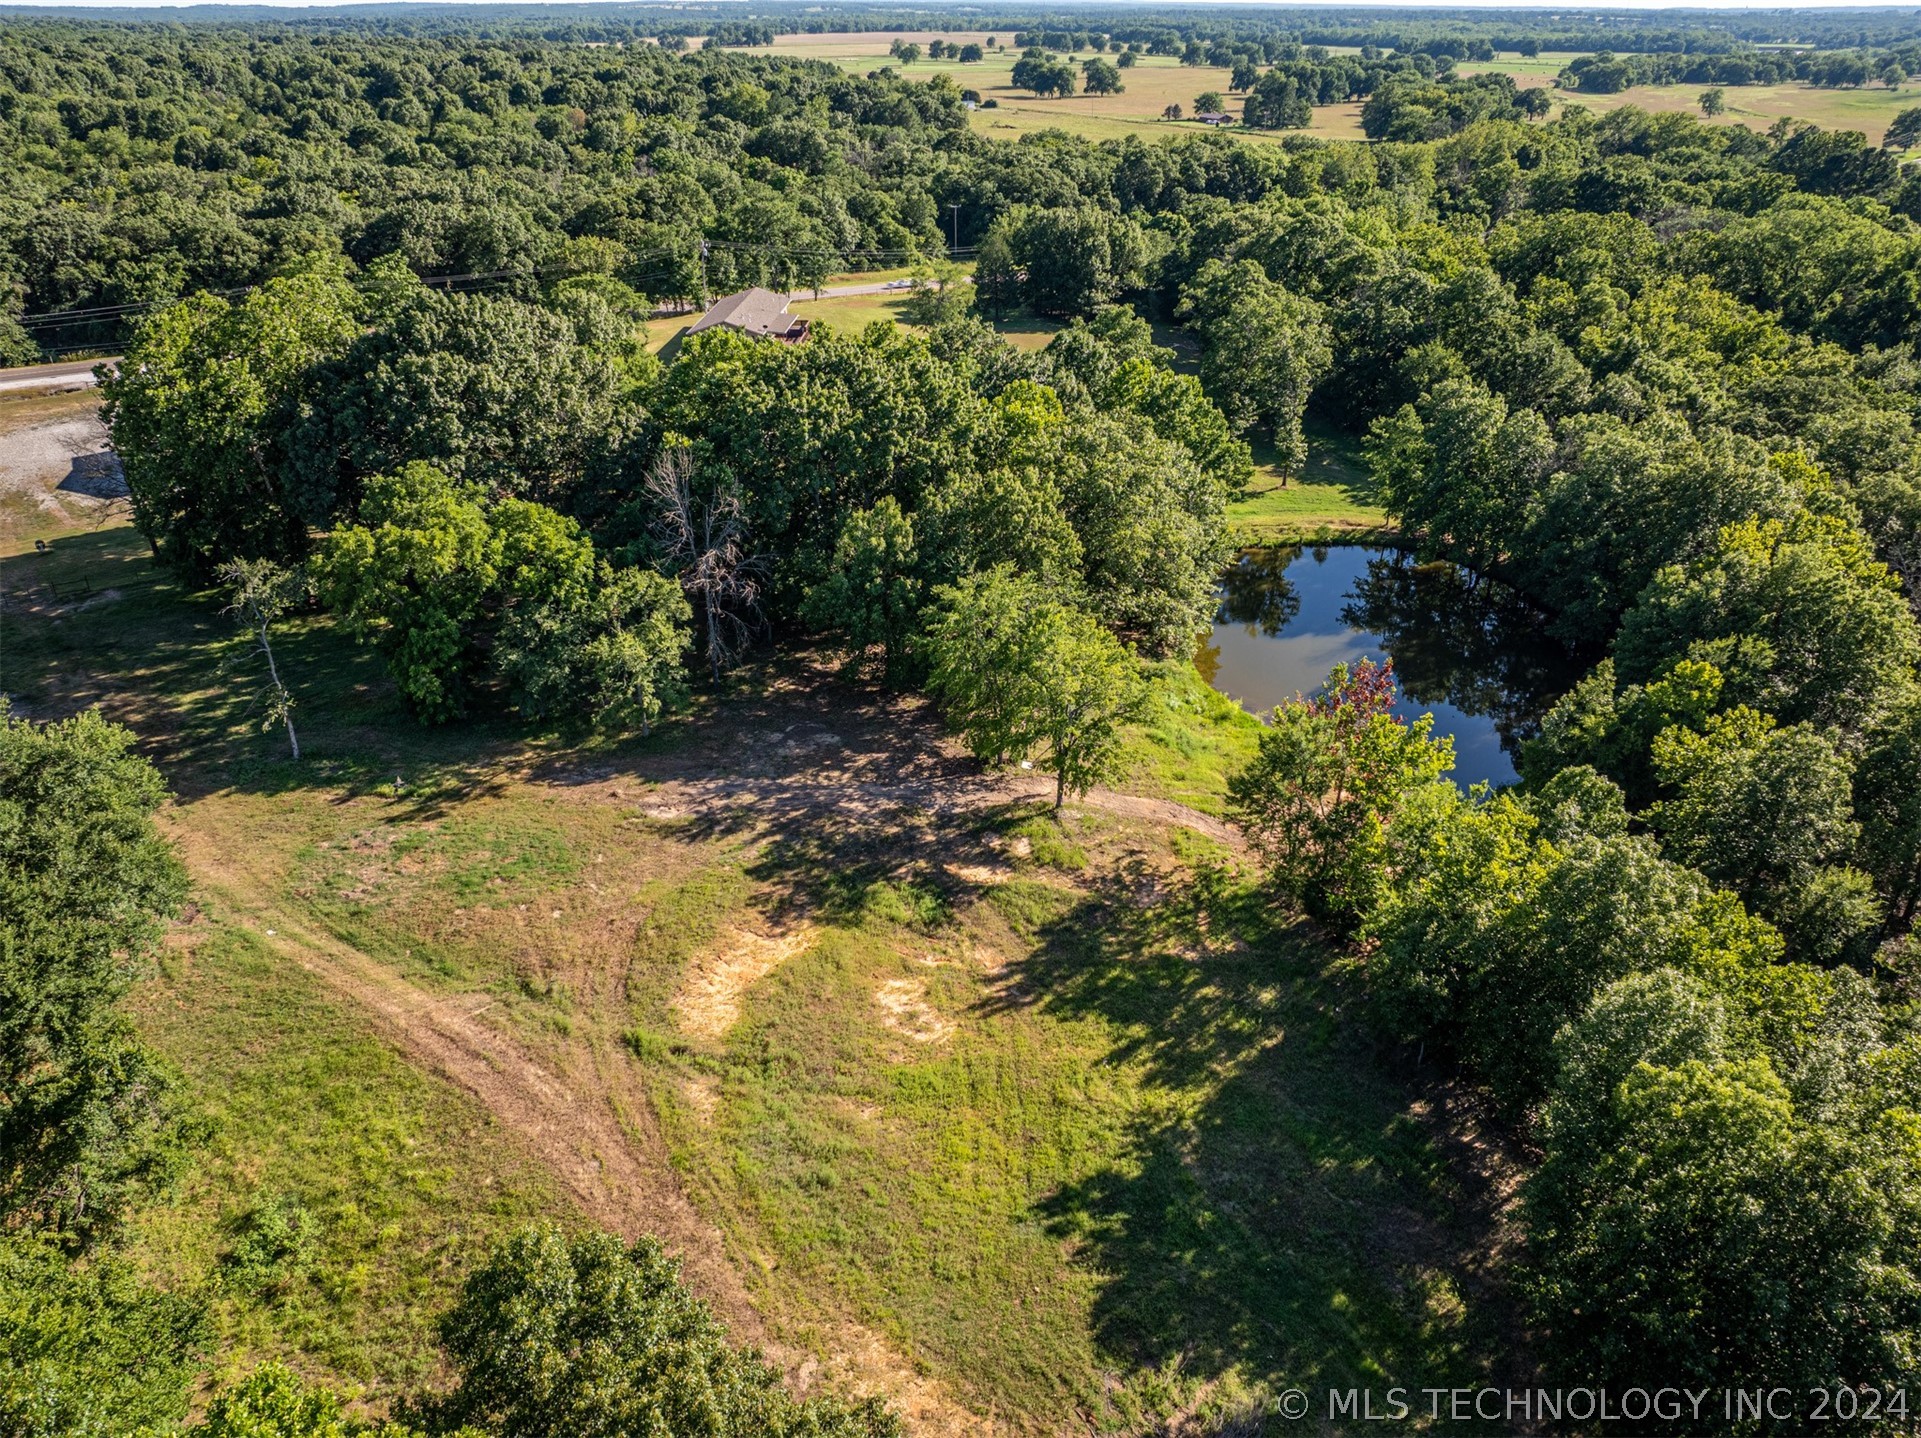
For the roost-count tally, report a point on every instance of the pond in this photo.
(1472, 653)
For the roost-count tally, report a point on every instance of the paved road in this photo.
(69, 374)
(835, 291)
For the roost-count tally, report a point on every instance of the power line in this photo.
(102, 313)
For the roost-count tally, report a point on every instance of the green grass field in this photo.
(1867, 109)
(1333, 497)
(1155, 82)
(409, 1180)
(1061, 1110)
(1152, 83)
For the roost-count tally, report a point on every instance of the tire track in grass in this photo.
(599, 1138)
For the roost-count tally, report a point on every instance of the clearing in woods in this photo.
(1156, 81)
(1033, 1125)
(1867, 108)
(1151, 84)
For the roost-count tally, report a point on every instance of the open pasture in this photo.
(1152, 83)
(1867, 108)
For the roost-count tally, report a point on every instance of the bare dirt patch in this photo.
(58, 449)
(57, 470)
(982, 875)
(709, 999)
(905, 1010)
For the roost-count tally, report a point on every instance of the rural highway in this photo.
(68, 374)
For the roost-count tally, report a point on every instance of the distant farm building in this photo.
(757, 312)
(1213, 117)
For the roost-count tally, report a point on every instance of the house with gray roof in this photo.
(757, 312)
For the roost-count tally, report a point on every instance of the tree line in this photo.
(1463, 33)
(1604, 72)
(151, 164)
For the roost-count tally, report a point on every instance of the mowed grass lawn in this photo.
(1064, 1110)
(1332, 498)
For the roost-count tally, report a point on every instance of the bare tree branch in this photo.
(704, 535)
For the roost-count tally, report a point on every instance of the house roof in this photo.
(754, 312)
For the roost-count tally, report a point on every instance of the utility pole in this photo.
(954, 228)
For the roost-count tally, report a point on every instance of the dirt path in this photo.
(805, 755)
(594, 1130)
(831, 793)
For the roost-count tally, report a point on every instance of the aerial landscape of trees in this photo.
(387, 368)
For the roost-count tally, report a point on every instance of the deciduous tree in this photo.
(88, 1120)
(1330, 774)
(262, 593)
(589, 1338)
(195, 410)
(1019, 672)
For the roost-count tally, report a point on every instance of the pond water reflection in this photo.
(1472, 653)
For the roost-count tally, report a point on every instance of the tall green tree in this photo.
(997, 275)
(1265, 351)
(611, 654)
(1331, 772)
(496, 392)
(196, 409)
(1798, 615)
(1765, 809)
(1506, 917)
(1076, 260)
(1694, 1225)
(1020, 673)
(874, 595)
(1460, 469)
(1887, 806)
(87, 1350)
(414, 577)
(88, 1120)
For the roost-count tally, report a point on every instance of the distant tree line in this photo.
(1465, 34)
(1604, 72)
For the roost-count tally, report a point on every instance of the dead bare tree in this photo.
(703, 535)
(263, 592)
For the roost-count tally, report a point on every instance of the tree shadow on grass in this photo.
(1283, 1215)
(95, 621)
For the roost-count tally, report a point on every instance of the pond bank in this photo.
(1473, 654)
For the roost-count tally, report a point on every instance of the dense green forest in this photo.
(1656, 376)
(148, 163)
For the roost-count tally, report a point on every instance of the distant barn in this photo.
(757, 312)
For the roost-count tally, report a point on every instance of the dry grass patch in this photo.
(708, 1004)
(903, 1002)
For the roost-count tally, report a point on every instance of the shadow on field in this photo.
(91, 619)
(1299, 1215)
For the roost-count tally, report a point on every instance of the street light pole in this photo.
(954, 227)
